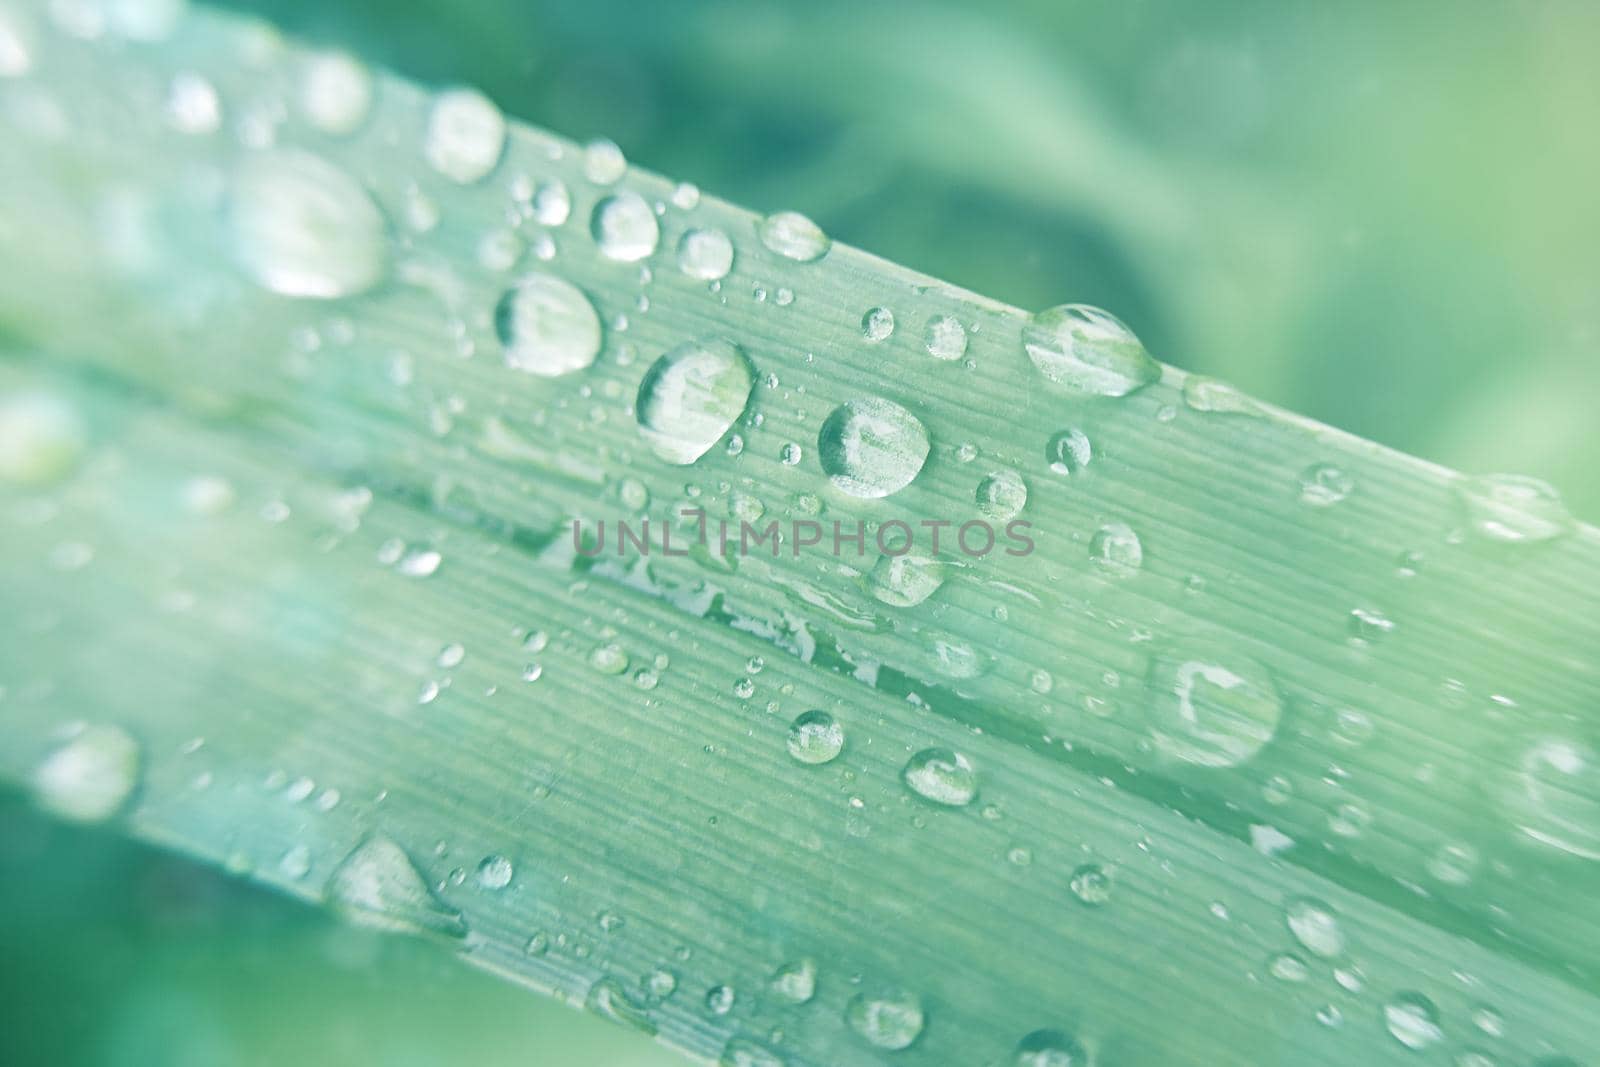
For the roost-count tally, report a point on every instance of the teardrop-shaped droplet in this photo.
(91, 776)
(625, 228)
(815, 737)
(1514, 509)
(872, 447)
(547, 326)
(691, 396)
(378, 885)
(1088, 350)
(466, 135)
(793, 236)
(942, 776)
(303, 227)
(1212, 709)
(888, 1021)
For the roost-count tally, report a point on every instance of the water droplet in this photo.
(1002, 495)
(419, 563)
(661, 983)
(1315, 927)
(1512, 508)
(1068, 452)
(942, 776)
(945, 337)
(547, 326)
(1049, 1048)
(1413, 1020)
(378, 885)
(877, 324)
(624, 228)
(603, 162)
(705, 254)
(1352, 728)
(16, 44)
(872, 447)
(303, 227)
(42, 438)
(1369, 624)
(815, 737)
(336, 93)
(466, 135)
(609, 659)
(1116, 550)
(1088, 350)
(904, 581)
(686, 196)
(1091, 884)
(1323, 485)
(793, 236)
(742, 1052)
(1555, 797)
(1218, 398)
(691, 396)
(610, 1000)
(494, 872)
(193, 106)
(888, 1021)
(796, 982)
(719, 1000)
(551, 203)
(1212, 711)
(1454, 864)
(1287, 968)
(91, 776)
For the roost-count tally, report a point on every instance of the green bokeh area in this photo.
(1382, 215)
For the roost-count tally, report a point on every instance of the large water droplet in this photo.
(378, 885)
(1555, 797)
(1413, 1020)
(872, 447)
(1512, 508)
(42, 439)
(547, 326)
(904, 581)
(1088, 350)
(793, 236)
(888, 1021)
(466, 135)
(1002, 495)
(691, 396)
(303, 227)
(705, 254)
(942, 776)
(1212, 710)
(91, 776)
(624, 228)
(1049, 1048)
(815, 737)
(336, 93)
(1315, 927)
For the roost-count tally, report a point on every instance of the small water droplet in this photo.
(872, 447)
(1212, 711)
(1555, 797)
(608, 999)
(1002, 495)
(303, 227)
(1369, 624)
(796, 982)
(1088, 350)
(609, 659)
(815, 737)
(1413, 1020)
(1323, 485)
(547, 326)
(877, 324)
(603, 162)
(719, 999)
(705, 254)
(419, 563)
(793, 236)
(1049, 1048)
(742, 1052)
(494, 872)
(1315, 927)
(1287, 968)
(1513, 509)
(377, 885)
(193, 106)
(42, 438)
(888, 1021)
(904, 581)
(466, 135)
(624, 228)
(691, 396)
(551, 203)
(336, 93)
(942, 776)
(1217, 398)
(945, 338)
(1068, 452)
(1116, 550)
(91, 776)
(1091, 884)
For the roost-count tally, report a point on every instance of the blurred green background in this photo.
(1383, 215)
